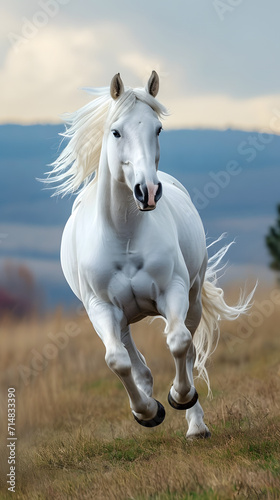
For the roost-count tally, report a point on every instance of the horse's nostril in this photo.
(137, 192)
(140, 193)
(159, 192)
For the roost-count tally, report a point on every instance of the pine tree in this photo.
(273, 244)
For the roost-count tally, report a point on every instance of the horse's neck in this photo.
(115, 204)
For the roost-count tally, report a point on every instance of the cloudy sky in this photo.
(218, 60)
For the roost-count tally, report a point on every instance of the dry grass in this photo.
(77, 438)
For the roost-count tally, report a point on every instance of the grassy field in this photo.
(77, 439)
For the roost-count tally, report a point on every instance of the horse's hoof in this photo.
(201, 435)
(182, 406)
(157, 420)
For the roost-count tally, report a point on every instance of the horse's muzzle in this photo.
(147, 195)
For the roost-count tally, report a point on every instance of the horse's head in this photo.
(133, 145)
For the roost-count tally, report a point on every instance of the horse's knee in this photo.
(191, 354)
(179, 341)
(147, 377)
(118, 361)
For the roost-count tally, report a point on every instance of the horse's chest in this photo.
(131, 280)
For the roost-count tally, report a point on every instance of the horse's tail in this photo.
(215, 309)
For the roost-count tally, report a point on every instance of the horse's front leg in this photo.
(109, 322)
(140, 371)
(174, 306)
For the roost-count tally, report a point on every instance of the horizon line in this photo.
(213, 128)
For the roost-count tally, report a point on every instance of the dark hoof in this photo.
(182, 406)
(157, 420)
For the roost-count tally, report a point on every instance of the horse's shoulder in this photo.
(169, 180)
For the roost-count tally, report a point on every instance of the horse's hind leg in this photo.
(194, 415)
(141, 373)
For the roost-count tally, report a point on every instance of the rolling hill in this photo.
(232, 176)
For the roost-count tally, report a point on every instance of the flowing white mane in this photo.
(78, 162)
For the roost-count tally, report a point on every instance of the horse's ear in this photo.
(117, 87)
(152, 86)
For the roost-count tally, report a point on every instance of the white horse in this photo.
(125, 260)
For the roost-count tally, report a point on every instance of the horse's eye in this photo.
(159, 130)
(116, 133)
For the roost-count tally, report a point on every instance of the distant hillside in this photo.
(232, 176)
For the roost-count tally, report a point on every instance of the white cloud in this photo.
(41, 75)
(260, 113)
(39, 81)
(142, 65)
